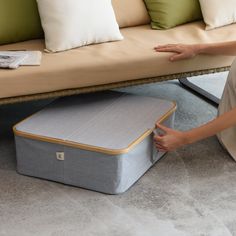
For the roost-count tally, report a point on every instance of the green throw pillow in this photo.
(19, 21)
(166, 14)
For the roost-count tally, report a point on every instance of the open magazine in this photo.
(14, 59)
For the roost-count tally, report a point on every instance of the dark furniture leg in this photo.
(187, 83)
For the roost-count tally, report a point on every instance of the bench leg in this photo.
(187, 83)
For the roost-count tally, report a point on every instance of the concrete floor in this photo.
(190, 192)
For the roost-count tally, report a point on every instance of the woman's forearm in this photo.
(215, 126)
(226, 48)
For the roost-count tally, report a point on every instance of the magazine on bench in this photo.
(14, 59)
(11, 61)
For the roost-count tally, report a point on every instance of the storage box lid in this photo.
(108, 122)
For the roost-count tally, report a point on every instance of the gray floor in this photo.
(190, 192)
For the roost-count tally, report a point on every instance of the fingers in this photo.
(165, 46)
(158, 138)
(159, 143)
(172, 49)
(168, 48)
(160, 148)
(177, 57)
(162, 127)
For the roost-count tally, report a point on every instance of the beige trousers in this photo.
(228, 102)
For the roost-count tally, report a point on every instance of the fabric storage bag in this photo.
(101, 141)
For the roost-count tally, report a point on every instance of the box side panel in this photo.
(136, 163)
(170, 121)
(93, 170)
(38, 159)
(140, 159)
(107, 173)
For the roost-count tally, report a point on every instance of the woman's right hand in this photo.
(170, 139)
(181, 51)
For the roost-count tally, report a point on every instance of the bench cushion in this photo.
(130, 59)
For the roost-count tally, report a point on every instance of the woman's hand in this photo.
(170, 140)
(181, 51)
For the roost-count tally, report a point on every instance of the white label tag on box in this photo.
(60, 156)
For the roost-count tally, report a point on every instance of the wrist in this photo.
(199, 48)
(188, 137)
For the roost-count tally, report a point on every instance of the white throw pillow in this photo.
(217, 13)
(74, 23)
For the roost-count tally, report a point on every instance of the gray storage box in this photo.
(101, 141)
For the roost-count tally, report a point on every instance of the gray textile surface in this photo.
(111, 174)
(110, 120)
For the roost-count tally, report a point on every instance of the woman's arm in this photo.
(172, 139)
(185, 51)
(226, 48)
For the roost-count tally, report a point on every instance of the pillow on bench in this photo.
(75, 23)
(130, 13)
(19, 21)
(166, 14)
(217, 13)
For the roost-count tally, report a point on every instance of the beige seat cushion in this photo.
(130, 13)
(132, 58)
